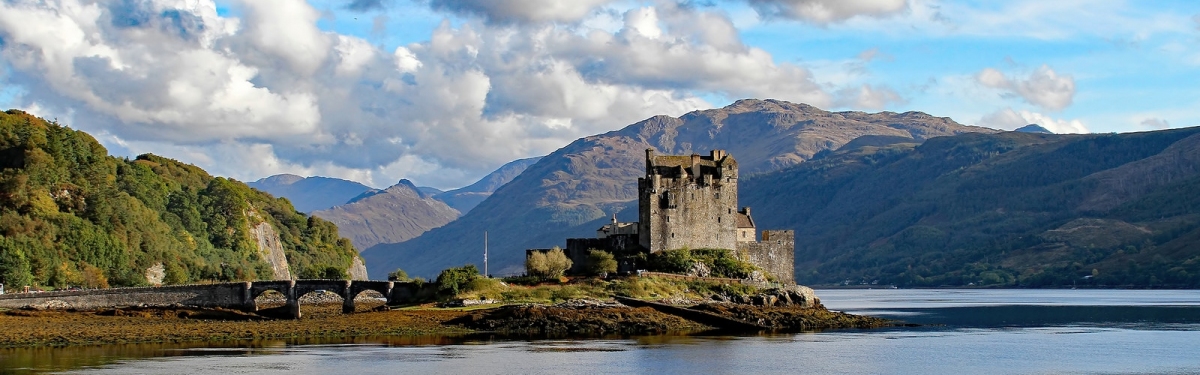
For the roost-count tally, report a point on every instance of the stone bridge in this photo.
(239, 295)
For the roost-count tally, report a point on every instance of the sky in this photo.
(441, 92)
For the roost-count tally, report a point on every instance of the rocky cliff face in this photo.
(392, 215)
(358, 270)
(572, 191)
(270, 248)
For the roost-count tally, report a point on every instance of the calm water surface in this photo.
(965, 332)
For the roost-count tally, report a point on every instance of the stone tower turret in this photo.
(688, 201)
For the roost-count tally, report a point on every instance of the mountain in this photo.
(1010, 209)
(70, 215)
(466, 198)
(429, 190)
(572, 191)
(1033, 128)
(311, 193)
(392, 215)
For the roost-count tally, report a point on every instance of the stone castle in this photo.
(690, 201)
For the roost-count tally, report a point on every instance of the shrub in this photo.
(452, 280)
(549, 265)
(601, 262)
(720, 262)
(398, 275)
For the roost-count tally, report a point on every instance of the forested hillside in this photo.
(72, 215)
(1008, 209)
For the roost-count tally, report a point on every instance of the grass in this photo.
(594, 288)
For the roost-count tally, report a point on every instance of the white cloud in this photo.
(826, 11)
(868, 97)
(270, 92)
(1044, 87)
(1008, 119)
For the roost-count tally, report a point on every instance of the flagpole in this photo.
(485, 251)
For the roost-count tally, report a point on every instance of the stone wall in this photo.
(622, 246)
(215, 295)
(775, 254)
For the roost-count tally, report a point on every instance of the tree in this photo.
(557, 263)
(452, 280)
(398, 275)
(535, 264)
(547, 265)
(601, 262)
(14, 267)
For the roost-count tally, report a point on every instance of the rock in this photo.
(700, 269)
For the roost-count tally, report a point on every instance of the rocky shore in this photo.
(323, 319)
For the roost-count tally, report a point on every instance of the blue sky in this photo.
(443, 91)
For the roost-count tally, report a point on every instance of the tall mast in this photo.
(485, 251)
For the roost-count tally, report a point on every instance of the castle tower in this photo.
(688, 201)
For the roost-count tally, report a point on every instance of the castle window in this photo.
(672, 235)
(718, 219)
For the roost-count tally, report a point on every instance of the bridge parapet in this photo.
(237, 295)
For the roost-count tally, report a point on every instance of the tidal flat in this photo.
(29, 328)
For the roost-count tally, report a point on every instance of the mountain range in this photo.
(395, 214)
(1012, 209)
(570, 192)
(310, 194)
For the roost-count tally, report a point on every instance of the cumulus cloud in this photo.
(868, 97)
(1155, 124)
(1044, 87)
(826, 11)
(269, 92)
(520, 11)
(1008, 119)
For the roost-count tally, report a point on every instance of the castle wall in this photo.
(775, 254)
(622, 247)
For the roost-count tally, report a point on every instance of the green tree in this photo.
(601, 262)
(452, 280)
(398, 275)
(15, 270)
(535, 264)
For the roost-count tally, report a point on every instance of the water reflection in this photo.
(966, 332)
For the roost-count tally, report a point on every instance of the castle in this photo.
(690, 201)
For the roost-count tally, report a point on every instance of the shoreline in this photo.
(21, 328)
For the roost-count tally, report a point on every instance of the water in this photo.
(965, 332)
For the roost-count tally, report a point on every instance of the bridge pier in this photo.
(347, 297)
(293, 301)
(248, 304)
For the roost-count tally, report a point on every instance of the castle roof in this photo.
(744, 220)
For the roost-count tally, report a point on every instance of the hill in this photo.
(311, 193)
(466, 198)
(570, 192)
(1011, 209)
(395, 214)
(72, 215)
